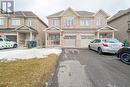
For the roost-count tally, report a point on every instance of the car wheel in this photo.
(89, 47)
(100, 51)
(125, 57)
(15, 46)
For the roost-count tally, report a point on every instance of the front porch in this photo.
(53, 37)
(106, 32)
(24, 35)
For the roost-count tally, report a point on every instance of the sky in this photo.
(43, 8)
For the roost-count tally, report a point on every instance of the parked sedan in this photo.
(106, 45)
(6, 43)
(124, 55)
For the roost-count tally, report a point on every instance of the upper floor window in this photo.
(99, 22)
(16, 22)
(1, 21)
(84, 22)
(29, 22)
(55, 22)
(69, 21)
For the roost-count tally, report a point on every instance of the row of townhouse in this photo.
(66, 28)
(75, 29)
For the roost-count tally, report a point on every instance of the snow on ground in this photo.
(28, 53)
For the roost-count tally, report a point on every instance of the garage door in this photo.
(12, 37)
(85, 40)
(69, 41)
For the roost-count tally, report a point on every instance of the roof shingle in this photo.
(80, 13)
(119, 14)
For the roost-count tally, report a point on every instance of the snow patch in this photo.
(28, 53)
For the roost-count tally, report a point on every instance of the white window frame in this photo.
(85, 22)
(16, 21)
(1, 21)
(69, 21)
(55, 22)
(99, 22)
(29, 22)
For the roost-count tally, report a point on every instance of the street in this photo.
(86, 68)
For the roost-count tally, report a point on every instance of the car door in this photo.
(7, 42)
(97, 44)
(1, 43)
(92, 44)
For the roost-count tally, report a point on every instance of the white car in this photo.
(106, 45)
(6, 43)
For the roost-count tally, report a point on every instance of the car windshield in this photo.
(111, 40)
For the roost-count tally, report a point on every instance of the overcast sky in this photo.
(44, 8)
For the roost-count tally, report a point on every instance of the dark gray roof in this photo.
(22, 14)
(80, 13)
(57, 14)
(85, 13)
(119, 14)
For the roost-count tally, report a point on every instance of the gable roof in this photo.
(108, 27)
(79, 13)
(119, 14)
(25, 14)
(70, 10)
(26, 27)
(103, 12)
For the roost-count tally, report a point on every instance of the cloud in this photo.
(44, 8)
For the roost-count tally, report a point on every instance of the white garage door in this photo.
(85, 40)
(69, 41)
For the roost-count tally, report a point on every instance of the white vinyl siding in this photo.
(16, 22)
(1, 21)
(69, 21)
(85, 22)
(55, 22)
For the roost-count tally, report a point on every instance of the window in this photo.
(84, 22)
(55, 22)
(1, 21)
(29, 22)
(98, 22)
(69, 21)
(15, 22)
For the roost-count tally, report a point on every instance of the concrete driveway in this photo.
(86, 68)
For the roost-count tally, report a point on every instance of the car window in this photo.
(6, 39)
(111, 41)
(98, 41)
(1, 39)
(94, 41)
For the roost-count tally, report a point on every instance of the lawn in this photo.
(27, 73)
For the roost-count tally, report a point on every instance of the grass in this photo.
(27, 73)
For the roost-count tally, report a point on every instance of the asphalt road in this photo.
(86, 68)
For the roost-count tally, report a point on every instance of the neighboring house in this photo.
(75, 29)
(121, 21)
(22, 26)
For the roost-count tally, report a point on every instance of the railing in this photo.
(53, 42)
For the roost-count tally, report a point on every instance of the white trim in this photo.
(88, 34)
(68, 35)
(104, 28)
(52, 27)
(9, 33)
